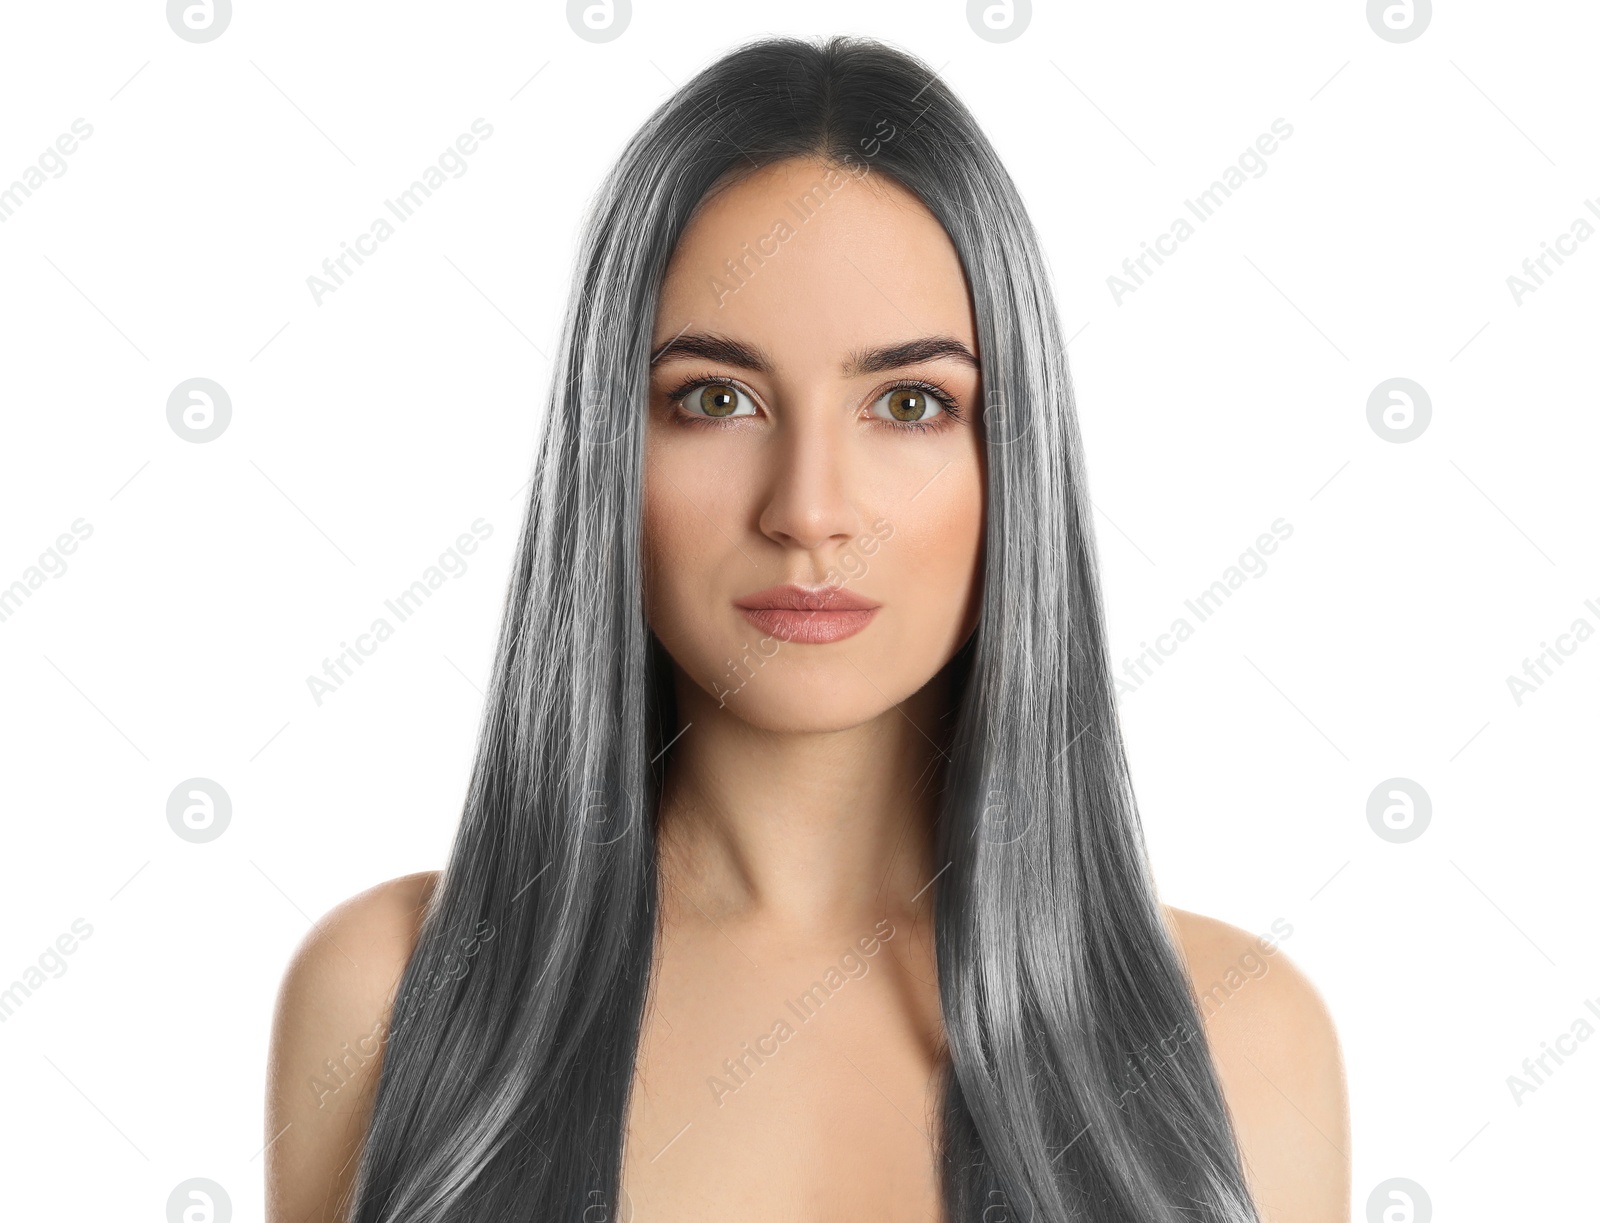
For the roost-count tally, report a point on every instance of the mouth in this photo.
(805, 615)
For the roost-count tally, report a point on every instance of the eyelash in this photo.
(949, 415)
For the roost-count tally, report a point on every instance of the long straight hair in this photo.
(1078, 1084)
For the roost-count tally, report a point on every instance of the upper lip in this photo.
(790, 597)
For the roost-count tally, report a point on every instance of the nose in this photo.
(809, 501)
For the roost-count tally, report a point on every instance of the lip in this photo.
(807, 615)
(790, 597)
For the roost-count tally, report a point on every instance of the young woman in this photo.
(799, 876)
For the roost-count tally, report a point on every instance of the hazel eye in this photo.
(909, 405)
(718, 400)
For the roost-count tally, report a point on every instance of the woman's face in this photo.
(814, 421)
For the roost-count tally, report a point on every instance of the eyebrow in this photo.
(729, 351)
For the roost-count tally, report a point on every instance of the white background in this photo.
(371, 430)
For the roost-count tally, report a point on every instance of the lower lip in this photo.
(808, 627)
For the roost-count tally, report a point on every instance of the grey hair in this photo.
(1075, 1087)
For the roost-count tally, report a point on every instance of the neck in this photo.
(808, 832)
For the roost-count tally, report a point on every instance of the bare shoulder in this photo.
(328, 1034)
(1277, 1054)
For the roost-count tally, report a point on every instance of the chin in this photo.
(830, 696)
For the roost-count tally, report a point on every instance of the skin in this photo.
(795, 817)
(795, 823)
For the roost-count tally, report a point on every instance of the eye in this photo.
(910, 405)
(716, 400)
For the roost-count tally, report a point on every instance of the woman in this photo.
(799, 873)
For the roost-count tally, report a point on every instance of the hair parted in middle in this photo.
(1080, 1085)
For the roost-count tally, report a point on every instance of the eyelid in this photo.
(943, 396)
(679, 393)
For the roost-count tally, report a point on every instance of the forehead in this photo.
(810, 262)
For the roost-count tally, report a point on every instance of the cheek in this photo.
(664, 539)
(932, 562)
(683, 547)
